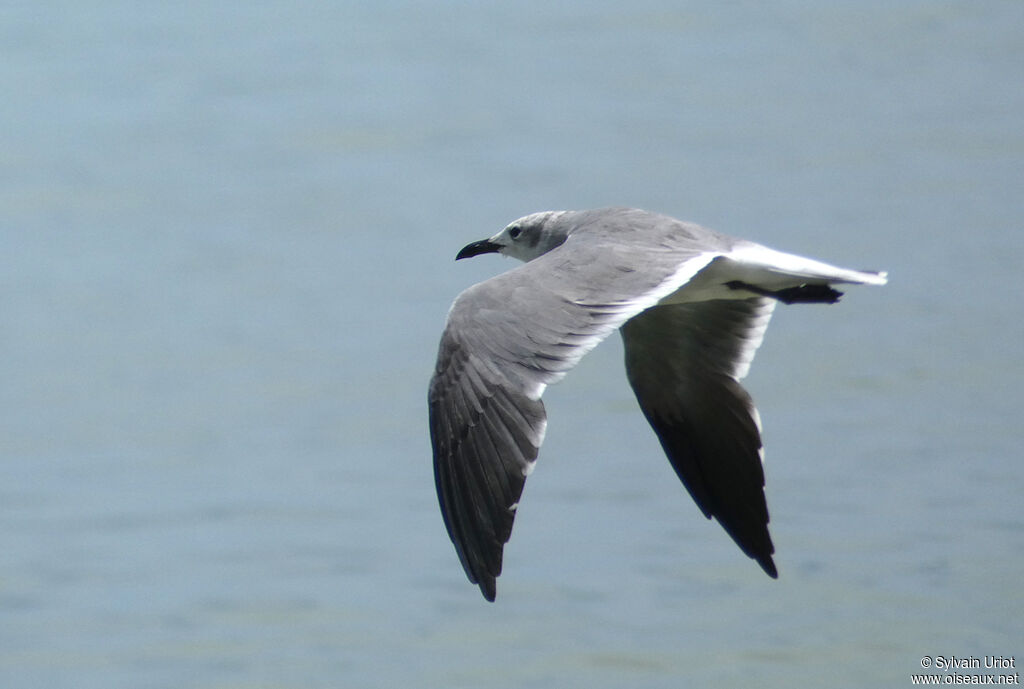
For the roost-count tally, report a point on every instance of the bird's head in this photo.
(526, 238)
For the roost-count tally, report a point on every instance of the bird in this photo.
(692, 306)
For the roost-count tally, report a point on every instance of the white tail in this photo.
(780, 268)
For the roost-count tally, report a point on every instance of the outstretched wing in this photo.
(685, 362)
(486, 433)
(506, 339)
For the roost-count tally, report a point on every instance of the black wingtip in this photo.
(769, 567)
(801, 294)
(489, 589)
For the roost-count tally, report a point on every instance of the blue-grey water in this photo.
(226, 243)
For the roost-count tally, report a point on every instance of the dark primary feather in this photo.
(484, 437)
(680, 361)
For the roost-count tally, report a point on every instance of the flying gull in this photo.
(692, 306)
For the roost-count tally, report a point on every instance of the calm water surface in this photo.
(227, 240)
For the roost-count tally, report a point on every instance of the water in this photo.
(227, 243)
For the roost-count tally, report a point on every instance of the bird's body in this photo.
(692, 305)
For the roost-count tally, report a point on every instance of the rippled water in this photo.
(227, 242)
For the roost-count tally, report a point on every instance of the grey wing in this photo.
(485, 433)
(684, 362)
(487, 421)
(506, 339)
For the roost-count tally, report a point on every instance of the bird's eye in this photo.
(514, 232)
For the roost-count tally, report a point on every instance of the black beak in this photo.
(484, 246)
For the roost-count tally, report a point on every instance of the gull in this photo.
(692, 306)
